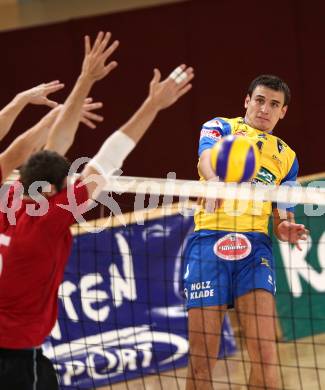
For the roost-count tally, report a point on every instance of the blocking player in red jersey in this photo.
(35, 250)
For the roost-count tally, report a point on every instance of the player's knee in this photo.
(202, 367)
(263, 352)
(202, 371)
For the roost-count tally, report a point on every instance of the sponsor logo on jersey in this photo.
(265, 176)
(187, 272)
(265, 262)
(201, 290)
(276, 158)
(259, 145)
(214, 123)
(233, 246)
(210, 133)
(281, 146)
(241, 132)
(262, 136)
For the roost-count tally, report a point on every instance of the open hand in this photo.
(292, 232)
(87, 116)
(94, 65)
(38, 95)
(165, 93)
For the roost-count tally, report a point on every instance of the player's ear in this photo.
(283, 111)
(247, 100)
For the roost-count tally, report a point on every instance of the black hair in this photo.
(272, 82)
(46, 166)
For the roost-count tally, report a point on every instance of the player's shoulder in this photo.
(216, 122)
(222, 125)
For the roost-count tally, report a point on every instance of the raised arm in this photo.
(116, 148)
(94, 68)
(36, 95)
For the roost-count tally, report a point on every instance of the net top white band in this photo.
(193, 188)
(245, 191)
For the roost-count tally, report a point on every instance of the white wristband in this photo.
(113, 152)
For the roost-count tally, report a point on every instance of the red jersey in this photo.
(33, 255)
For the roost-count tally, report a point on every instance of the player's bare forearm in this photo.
(27, 143)
(204, 166)
(63, 131)
(10, 112)
(138, 124)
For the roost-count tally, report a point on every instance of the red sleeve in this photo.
(66, 206)
(10, 201)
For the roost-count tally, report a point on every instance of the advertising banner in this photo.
(121, 305)
(301, 275)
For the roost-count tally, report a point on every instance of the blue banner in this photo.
(121, 309)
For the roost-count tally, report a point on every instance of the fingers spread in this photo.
(109, 67)
(87, 45)
(184, 90)
(50, 103)
(93, 106)
(110, 50)
(156, 76)
(52, 88)
(298, 246)
(98, 41)
(91, 115)
(88, 123)
(54, 82)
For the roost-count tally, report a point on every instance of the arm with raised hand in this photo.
(116, 148)
(35, 138)
(94, 68)
(37, 95)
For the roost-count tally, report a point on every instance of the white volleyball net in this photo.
(122, 320)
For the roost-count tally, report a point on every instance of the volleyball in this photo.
(235, 159)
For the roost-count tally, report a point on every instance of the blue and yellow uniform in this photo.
(230, 250)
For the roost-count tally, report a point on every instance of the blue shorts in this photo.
(221, 266)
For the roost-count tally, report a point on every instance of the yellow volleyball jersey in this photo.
(278, 165)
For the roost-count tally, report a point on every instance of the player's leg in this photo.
(204, 326)
(207, 290)
(26, 369)
(256, 311)
(46, 375)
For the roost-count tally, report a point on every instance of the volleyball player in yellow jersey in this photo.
(229, 259)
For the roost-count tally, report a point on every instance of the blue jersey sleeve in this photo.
(289, 180)
(211, 132)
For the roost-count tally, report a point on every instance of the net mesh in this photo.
(122, 321)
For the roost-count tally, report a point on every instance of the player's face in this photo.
(264, 108)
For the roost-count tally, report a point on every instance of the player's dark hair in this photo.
(46, 166)
(272, 82)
